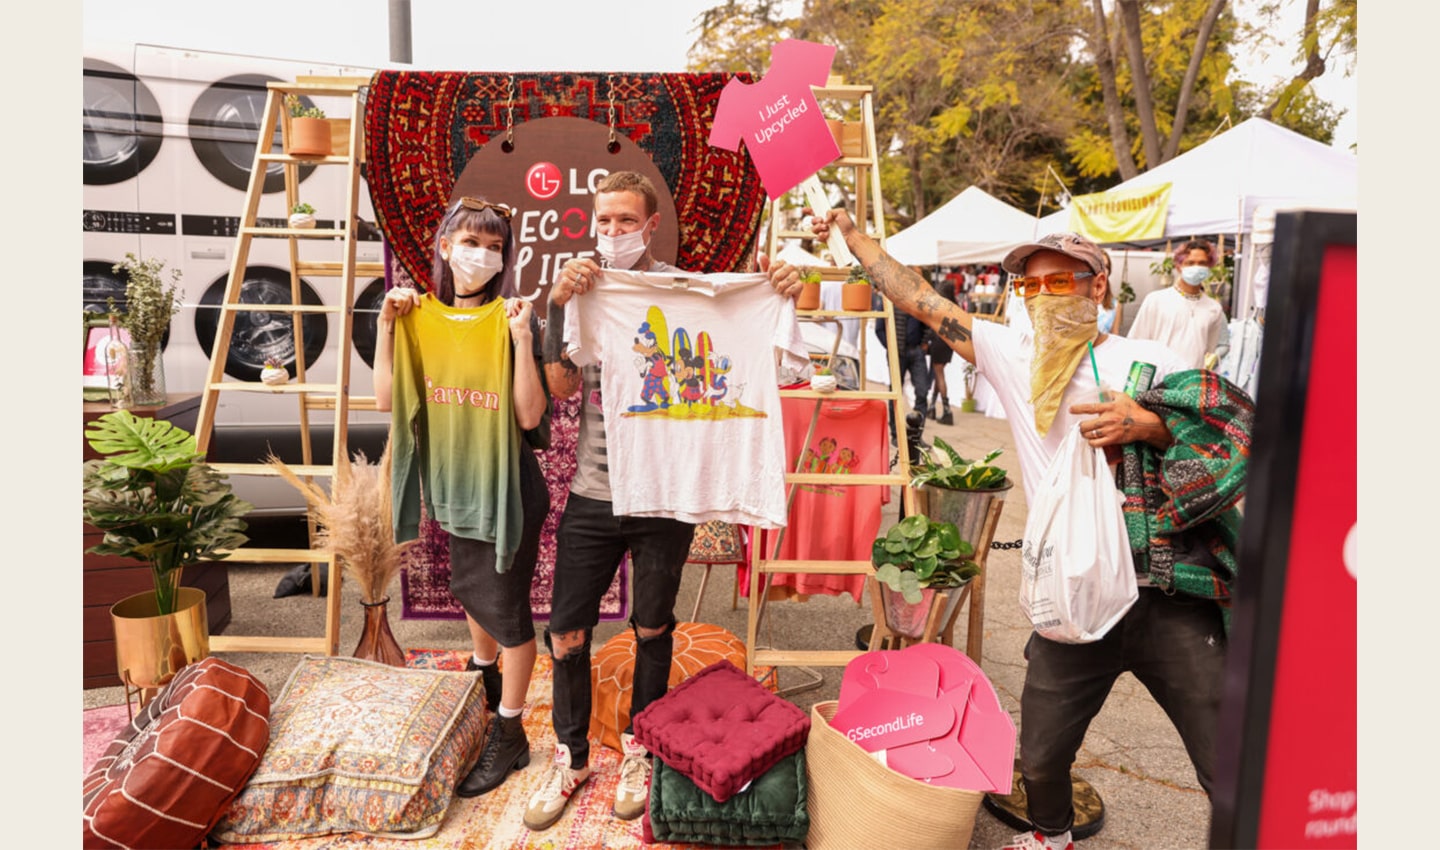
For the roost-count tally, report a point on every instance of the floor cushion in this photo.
(721, 729)
(358, 746)
(169, 775)
(771, 811)
(612, 672)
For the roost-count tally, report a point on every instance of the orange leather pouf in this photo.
(612, 672)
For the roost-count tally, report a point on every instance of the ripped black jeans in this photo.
(589, 545)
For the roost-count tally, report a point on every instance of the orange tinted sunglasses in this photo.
(1055, 283)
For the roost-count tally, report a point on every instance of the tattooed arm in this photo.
(562, 376)
(908, 291)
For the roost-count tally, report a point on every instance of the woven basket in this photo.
(854, 801)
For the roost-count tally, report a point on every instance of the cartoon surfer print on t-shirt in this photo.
(681, 378)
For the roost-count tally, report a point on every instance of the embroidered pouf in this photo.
(612, 672)
(169, 775)
(358, 746)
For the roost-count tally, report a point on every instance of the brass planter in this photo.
(150, 648)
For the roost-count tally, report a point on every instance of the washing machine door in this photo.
(365, 322)
(259, 336)
(225, 126)
(122, 129)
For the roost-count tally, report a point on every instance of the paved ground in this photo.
(1132, 754)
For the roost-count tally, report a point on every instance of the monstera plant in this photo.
(157, 500)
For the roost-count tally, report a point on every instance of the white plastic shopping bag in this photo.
(1077, 576)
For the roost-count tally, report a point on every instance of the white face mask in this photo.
(473, 267)
(621, 252)
(1195, 275)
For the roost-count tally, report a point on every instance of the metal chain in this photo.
(610, 115)
(510, 114)
(1014, 544)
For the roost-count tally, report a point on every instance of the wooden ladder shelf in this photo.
(868, 214)
(324, 395)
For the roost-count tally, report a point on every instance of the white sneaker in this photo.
(548, 804)
(633, 791)
(1040, 841)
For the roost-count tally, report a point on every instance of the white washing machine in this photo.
(175, 172)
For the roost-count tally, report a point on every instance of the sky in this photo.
(483, 35)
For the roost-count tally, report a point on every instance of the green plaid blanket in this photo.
(1182, 503)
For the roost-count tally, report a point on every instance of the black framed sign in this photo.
(1286, 765)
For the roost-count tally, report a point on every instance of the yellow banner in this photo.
(1126, 215)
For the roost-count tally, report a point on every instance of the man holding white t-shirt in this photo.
(1173, 638)
(592, 538)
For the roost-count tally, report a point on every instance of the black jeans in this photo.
(588, 547)
(1175, 646)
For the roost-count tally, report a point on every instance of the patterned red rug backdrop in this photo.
(422, 127)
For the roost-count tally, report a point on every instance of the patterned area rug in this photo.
(425, 574)
(422, 127)
(491, 821)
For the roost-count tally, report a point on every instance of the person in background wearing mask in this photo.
(1184, 317)
(1173, 638)
(490, 568)
(591, 539)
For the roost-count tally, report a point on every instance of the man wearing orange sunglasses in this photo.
(1173, 638)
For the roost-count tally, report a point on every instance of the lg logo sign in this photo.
(543, 181)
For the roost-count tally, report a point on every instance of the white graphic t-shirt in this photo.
(692, 411)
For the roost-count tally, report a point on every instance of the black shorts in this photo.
(939, 352)
(500, 602)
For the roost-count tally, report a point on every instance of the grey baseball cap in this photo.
(1069, 244)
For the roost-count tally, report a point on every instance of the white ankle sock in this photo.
(510, 712)
(481, 662)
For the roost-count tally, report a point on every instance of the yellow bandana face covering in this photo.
(1063, 324)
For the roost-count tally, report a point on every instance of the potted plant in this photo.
(149, 305)
(967, 405)
(307, 132)
(823, 380)
(809, 289)
(158, 502)
(855, 294)
(274, 374)
(302, 216)
(914, 558)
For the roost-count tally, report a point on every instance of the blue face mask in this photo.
(1195, 275)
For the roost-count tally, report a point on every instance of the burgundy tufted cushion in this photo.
(721, 729)
(170, 774)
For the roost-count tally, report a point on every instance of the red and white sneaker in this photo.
(548, 804)
(1040, 841)
(632, 792)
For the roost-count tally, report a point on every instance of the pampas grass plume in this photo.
(354, 519)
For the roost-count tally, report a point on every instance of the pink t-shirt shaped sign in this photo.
(779, 118)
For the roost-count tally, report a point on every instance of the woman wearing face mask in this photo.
(1184, 316)
(460, 366)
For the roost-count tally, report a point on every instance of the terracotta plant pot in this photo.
(309, 137)
(847, 136)
(809, 296)
(855, 297)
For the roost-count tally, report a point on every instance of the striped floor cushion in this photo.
(168, 776)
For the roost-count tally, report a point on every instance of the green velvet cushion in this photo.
(770, 811)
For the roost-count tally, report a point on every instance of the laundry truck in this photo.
(169, 145)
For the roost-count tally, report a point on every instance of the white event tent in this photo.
(1216, 186)
(980, 226)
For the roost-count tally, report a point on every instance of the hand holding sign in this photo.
(820, 205)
